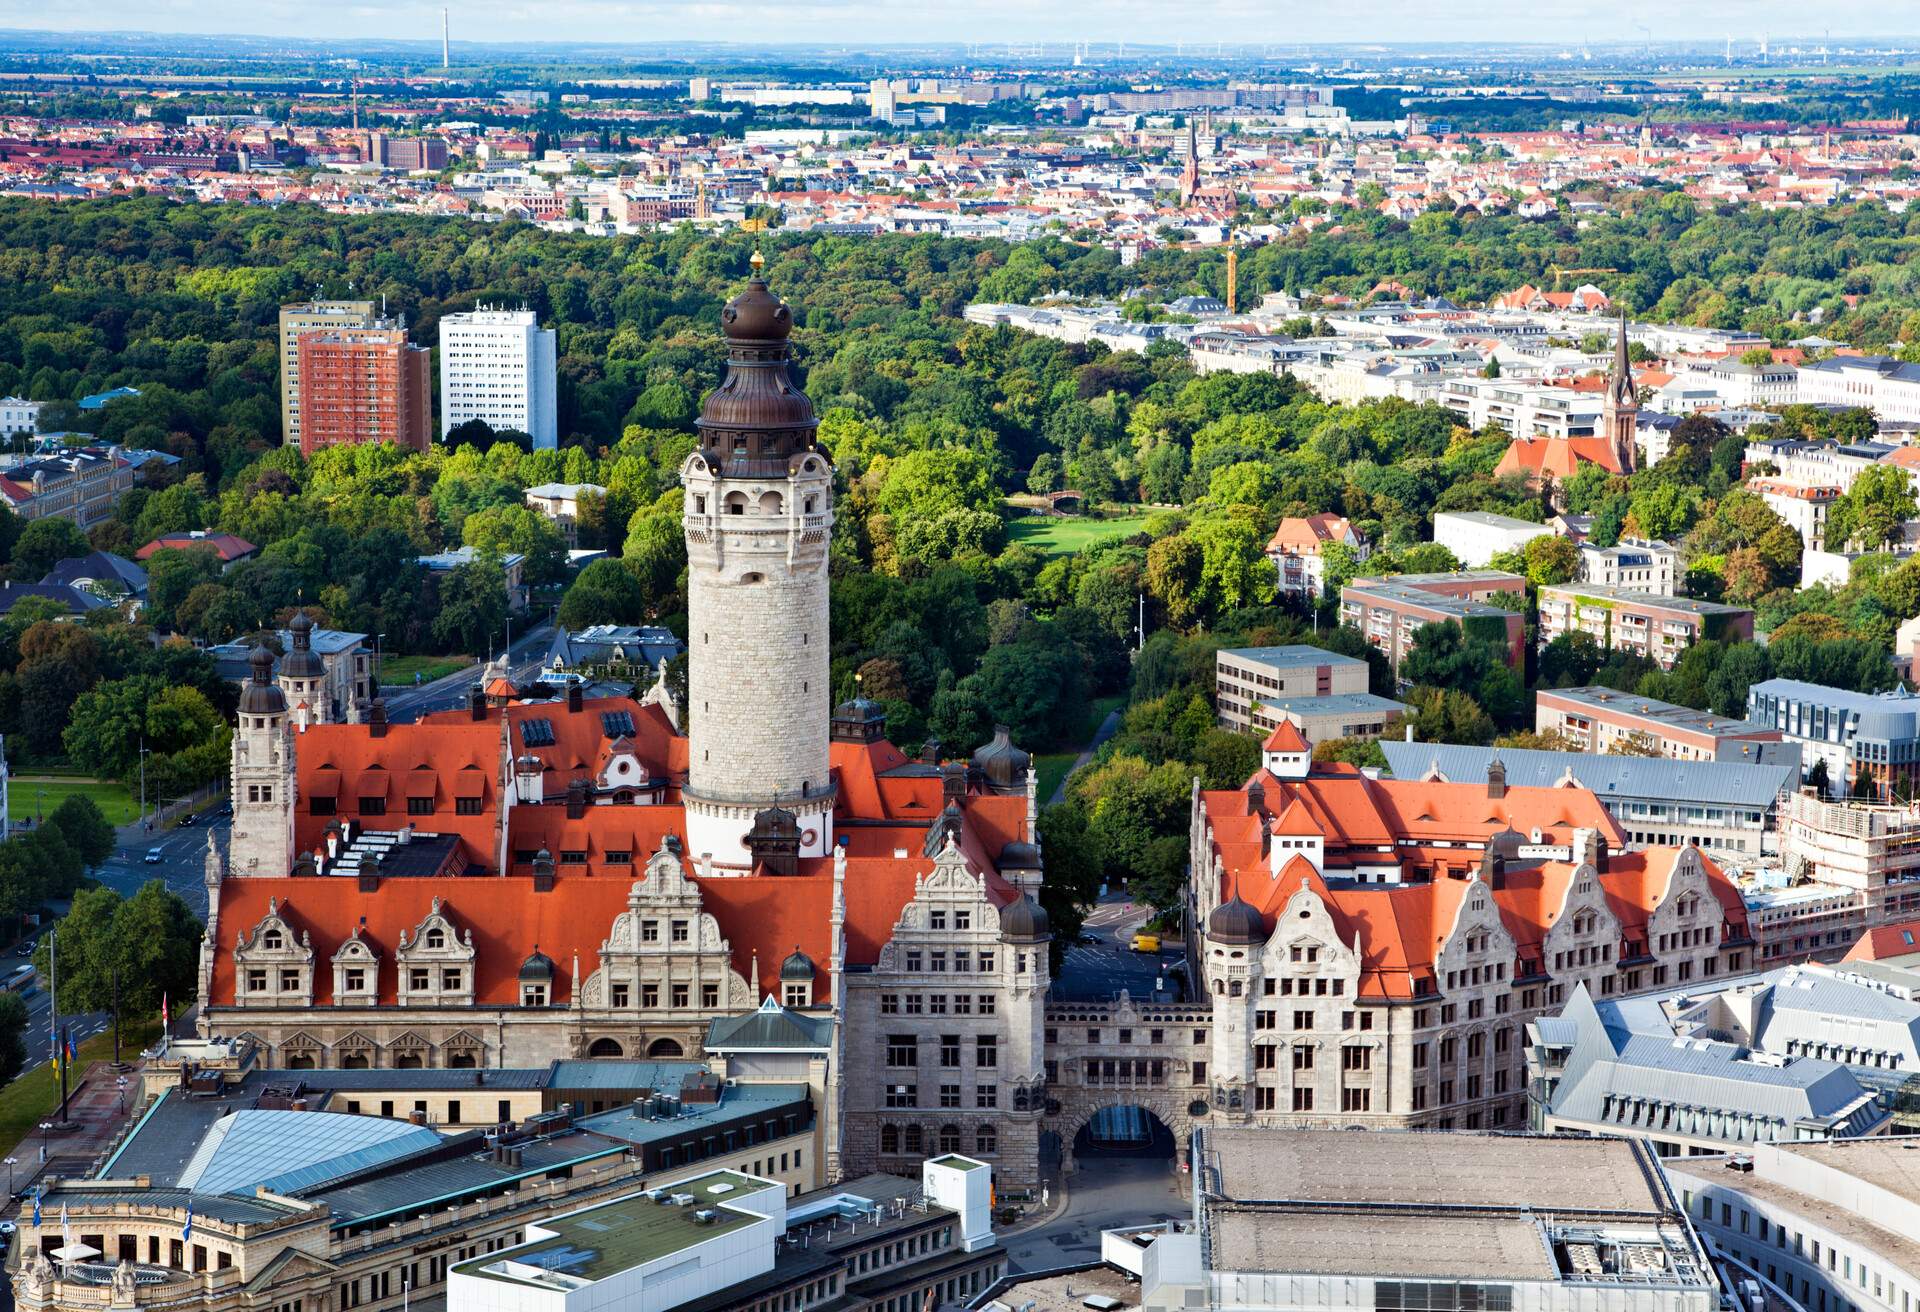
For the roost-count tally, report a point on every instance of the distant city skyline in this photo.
(870, 22)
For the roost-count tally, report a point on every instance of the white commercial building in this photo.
(1306, 1220)
(1632, 565)
(497, 366)
(1824, 1227)
(19, 415)
(1477, 536)
(1890, 388)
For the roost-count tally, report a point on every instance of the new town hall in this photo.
(526, 880)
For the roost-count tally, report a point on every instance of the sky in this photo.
(1280, 24)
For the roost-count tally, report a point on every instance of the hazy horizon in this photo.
(870, 23)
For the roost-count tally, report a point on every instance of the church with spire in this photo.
(1547, 462)
(537, 877)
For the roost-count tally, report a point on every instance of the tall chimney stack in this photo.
(446, 50)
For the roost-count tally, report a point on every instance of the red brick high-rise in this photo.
(363, 385)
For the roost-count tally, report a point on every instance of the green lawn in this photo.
(28, 1100)
(35, 795)
(1052, 767)
(1061, 536)
(401, 669)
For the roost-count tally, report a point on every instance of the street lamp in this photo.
(144, 753)
(11, 1163)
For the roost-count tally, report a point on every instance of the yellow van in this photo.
(1146, 942)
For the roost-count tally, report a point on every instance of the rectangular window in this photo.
(464, 806)
(373, 806)
(986, 1051)
(415, 805)
(903, 1050)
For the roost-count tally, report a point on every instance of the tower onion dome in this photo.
(797, 968)
(262, 696)
(1024, 921)
(757, 420)
(1003, 765)
(1236, 923)
(301, 662)
(1018, 856)
(537, 969)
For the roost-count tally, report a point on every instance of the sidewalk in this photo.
(94, 1107)
(1108, 728)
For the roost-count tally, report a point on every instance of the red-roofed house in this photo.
(229, 549)
(1296, 546)
(1373, 949)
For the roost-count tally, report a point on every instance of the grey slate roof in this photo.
(1628, 1071)
(1727, 783)
(772, 1026)
(100, 566)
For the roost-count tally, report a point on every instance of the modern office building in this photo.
(296, 320)
(722, 1241)
(1477, 536)
(497, 366)
(1823, 1227)
(1326, 1222)
(1625, 1066)
(1888, 387)
(1248, 680)
(1632, 565)
(1600, 719)
(1868, 742)
(1389, 611)
(1729, 809)
(1628, 619)
(361, 385)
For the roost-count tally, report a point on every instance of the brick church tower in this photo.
(758, 514)
(1620, 408)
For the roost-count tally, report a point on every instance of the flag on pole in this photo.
(166, 1021)
(69, 1048)
(66, 1235)
(186, 1231)
(36, 1209)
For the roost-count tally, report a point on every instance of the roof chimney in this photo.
(577, 799)
(477, 703)
(377, 718)
(574, 698)
(953, 782)
(370, 873)
(1496, 779)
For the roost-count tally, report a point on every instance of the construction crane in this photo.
(1559, 273)
(1233, 277)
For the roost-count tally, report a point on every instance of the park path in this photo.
(1108, 728)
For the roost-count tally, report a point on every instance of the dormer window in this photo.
(356, 980)
(272, 941)
(533, 995)
(436, 939)
(451, 981)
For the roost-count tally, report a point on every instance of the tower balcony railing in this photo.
(733, 797)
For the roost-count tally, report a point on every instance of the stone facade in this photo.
(1324, 1017)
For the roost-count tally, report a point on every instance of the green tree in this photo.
(1873, 510)
(43, 544)
(13, 1035)
(1550, 559)
(86, 830)
(605, 592)
(518, 528)
(473, 606)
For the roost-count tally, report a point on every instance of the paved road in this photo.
(1107, 1191)
(450, 693)
(1108, 728)
(1104, 962)
(182, 865)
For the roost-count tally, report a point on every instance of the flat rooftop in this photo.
(1647, 600)
(1658, 714)
(1340, 1244)
(1409, 594)
(602, 1241)
(1546, 1173)
(1891, 1163)
(1292, 656)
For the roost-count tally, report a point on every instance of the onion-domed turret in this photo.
(1002, 765)
(798, 968)
(301, 661)
(1024, 921)
(262, 696)
(757, 419)
(1018, 857)
(1236, 923)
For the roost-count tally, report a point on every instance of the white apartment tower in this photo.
(759, 511)
(497, 366)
